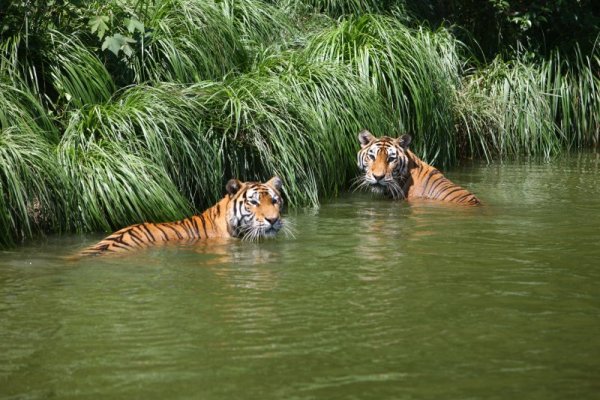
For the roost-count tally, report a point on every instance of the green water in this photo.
(372, 299)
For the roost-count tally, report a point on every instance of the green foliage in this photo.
(190, 41)
(502, 26)
(159, 124)
(78, 76)
(337, 8)
(31, 184)
(415, 71)
(114, 112)
(292, 117)
(526, 123)
(113, 188)
(257, 22)
(520, 107)
(575, 100)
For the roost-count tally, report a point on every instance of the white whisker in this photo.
(288, 229)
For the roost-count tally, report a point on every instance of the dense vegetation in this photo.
(113, 112)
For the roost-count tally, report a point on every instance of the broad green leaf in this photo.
(118, 42)
(133, 25)
(111, 44)
(99, 24)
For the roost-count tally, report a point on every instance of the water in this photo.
(372, 299)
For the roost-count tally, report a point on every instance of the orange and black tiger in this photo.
(249, 210)
(389, 167)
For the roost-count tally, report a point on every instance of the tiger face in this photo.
(384, 162)
(255, 208)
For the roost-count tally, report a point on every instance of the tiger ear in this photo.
(404, 140)
(275, 183)
(365, 137)
(233, 186)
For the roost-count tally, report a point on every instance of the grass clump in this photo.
(290, 117)
(123, 111)
(533, 108)
(113, 188)
(407, 68)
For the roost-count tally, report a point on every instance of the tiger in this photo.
(249, 210)
(389, 167)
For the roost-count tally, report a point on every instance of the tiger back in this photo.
(249, 210)
(389, 167)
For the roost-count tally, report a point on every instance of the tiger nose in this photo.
(378, 177)
(272, 221)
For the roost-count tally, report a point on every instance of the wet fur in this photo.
(389, 167)
(249, 210)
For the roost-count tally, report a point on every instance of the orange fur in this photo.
(249, 209)
(389, 166)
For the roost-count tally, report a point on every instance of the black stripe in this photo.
(218, 209)
(94, 251)
(203, 225)
(434, 187)
(163, 232)
(151, 236)
(190, 225)
(420, 171)
(142, 231)
(193, 227)
(186, 228)
(443, 187)
(195, 223)
(174, 230)
(135, 237)
(188, 232)
(429, 175)
(120, 245)
(120, 240)
(98, 248)
(450, 192)
(461, 198)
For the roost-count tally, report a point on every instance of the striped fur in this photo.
(249, 210)
(389, 167)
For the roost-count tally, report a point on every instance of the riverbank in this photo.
(116, 113)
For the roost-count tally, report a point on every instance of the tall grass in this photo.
(32, 187)
(526, 123)
(337, 8)
(576, 100)
(415, 71)
(78, 76)
(190, 41)
(113, 188)
(31, 184)
(258, 23)
(522, 107)
(159, 123)
(291, 117)
(21, 101)
(90, 140)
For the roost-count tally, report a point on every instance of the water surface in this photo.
(372, 299)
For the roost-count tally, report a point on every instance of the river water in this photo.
(371, 299)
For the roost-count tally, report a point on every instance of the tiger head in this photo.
(254, 209)
(384, 162)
